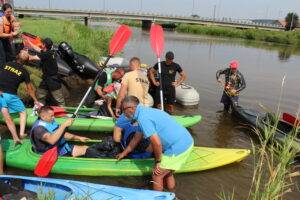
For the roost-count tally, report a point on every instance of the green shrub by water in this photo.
(281, 37)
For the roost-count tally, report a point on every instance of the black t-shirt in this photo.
(48, 63)
(37, 135)
(11, 75)
(168, 73)
(102, 79)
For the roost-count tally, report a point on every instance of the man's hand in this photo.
(156, 83)
(36, 102)
(0, 93)
(118, 112)
(14, 34)
(219, 80)
(232, 91)
(17, 140)
(175, 84)
(83, 139)
(68, 122)
(156, 169)
(120, 156)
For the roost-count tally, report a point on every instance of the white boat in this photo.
(186, 95)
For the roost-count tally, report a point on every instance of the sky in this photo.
(234, 9)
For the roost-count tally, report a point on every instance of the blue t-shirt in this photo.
(174, 137)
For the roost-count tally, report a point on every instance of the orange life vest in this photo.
(8, 25)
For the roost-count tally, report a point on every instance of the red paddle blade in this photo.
(46, 162)
(60, 114)
(157, 39)
(119, 39)
(290, 119)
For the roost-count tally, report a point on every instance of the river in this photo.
(264, 65)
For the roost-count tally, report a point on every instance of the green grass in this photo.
(280, 37)
(84, 40)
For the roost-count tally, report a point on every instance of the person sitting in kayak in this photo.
(112, 91)
(47, 133)
(234, 83)
(105, 79)
(130, 137)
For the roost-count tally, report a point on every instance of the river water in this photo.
(263, 65)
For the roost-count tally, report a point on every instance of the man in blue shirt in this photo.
(171, 142)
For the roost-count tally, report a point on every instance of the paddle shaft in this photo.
(92, 86)
(87, 115)
(160, 85)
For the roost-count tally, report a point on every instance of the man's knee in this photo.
(59, 97)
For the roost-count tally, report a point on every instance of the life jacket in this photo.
(135, 154)
(63, 146)
(7, 24)
(108, 81)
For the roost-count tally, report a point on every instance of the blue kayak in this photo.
(69, 189)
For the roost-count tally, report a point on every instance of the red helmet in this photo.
(234, 64)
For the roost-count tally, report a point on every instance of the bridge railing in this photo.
(141, 16)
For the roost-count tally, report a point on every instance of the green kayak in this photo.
(201, 158)
(95, 124)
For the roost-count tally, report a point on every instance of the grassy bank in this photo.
(281, 37)
(89, 42)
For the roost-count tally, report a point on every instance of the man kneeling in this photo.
(47, 133)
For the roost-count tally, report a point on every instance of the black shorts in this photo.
(169, 95)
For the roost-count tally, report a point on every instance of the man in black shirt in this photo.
(11, 75)
(168, 74)
(50, 79)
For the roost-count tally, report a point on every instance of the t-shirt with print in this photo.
(48, 63)
(137, 85)
(11, 75)
(168, 73)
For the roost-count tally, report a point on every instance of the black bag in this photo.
(105, 149)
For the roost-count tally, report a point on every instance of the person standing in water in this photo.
(234, 83)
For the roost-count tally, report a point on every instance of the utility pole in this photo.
(141, 6)
(193, 7)
(215, 12)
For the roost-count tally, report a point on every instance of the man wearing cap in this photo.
(50, 79)
(234, 83)
(168, 74)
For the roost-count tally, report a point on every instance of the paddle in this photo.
(46, 162)
(157, 44)
(290, 119)
(117, 42)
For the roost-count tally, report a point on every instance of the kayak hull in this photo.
(92, 124)
(201, 158)
(61, 189)
(264, 122)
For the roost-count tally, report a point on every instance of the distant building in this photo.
(283, 23)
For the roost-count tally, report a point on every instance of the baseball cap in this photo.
(170, 55)
(234, 64)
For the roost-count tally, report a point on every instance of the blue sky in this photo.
(235, 9)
